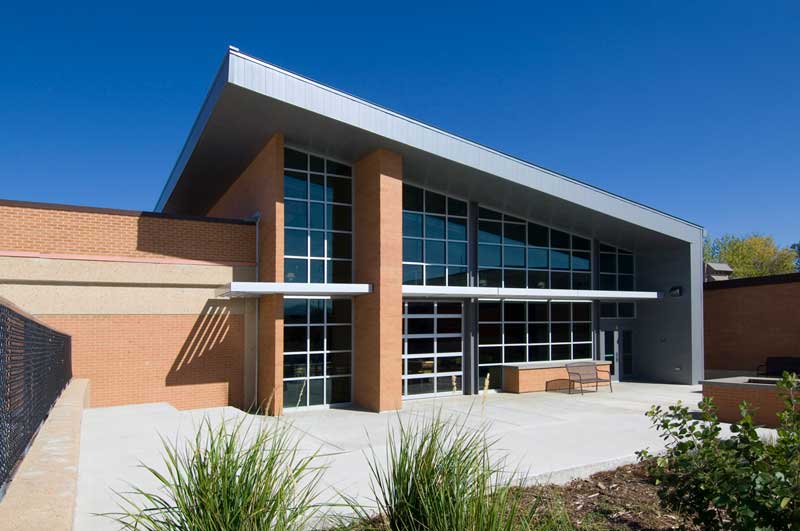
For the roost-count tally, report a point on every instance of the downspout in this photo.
(257, 218)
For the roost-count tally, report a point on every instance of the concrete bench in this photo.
(544, 376)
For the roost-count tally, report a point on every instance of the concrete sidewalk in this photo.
(548, 436)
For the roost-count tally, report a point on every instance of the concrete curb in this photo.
(42, 492)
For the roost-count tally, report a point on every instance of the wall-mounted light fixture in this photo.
(676, 291)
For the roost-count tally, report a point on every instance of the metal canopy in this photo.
(530, 294)
(256, 289)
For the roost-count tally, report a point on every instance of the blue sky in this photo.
(690, 107)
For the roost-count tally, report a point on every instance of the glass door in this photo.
(433, 348)
(609, 350)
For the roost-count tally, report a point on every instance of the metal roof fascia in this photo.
(432, 140)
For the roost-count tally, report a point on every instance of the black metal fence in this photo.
(35, 366)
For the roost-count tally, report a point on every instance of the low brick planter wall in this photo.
(545, 376)
(761, 393)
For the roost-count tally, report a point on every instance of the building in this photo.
(311, 248)
(716, 271)
(747, 321)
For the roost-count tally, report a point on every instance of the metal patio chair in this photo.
(585, 372)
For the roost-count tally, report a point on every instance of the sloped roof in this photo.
(250, 99)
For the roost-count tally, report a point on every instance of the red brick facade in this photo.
(765, 403)
(745, 325)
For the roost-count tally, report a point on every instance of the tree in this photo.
(754, 255)
(796, 248)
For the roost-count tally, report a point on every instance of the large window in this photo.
(616, 270)
(513, 253)
(317, 345)
(318, 219)
(435, 247)
(519, 331)
(433, 347)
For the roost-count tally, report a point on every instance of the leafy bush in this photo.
(227, 478)
(439, 476)
(739, 483)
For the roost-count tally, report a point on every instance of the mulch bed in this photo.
(620, 499)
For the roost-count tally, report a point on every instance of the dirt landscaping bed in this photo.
(620, 499)
(624, 499)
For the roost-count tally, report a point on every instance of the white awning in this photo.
(256, 289)
(456, 292)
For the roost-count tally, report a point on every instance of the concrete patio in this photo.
(551, 437)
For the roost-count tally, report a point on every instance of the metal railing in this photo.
(35, 366)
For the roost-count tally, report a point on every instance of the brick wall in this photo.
(54, 229)
(189, 361)
(260, 189)
(766, 403)
(745, 325)
(192, 359)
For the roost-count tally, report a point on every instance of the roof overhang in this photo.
(250, 100)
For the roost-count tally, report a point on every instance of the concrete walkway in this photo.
(549, 436)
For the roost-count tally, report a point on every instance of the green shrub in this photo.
(739, 483)
(228, 478)
(439, 476)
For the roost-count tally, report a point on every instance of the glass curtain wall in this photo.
(435, 240)
(616, 270)
(318, 248)
(513, 253)
(317, 357)
(520, 331)
(318, 219)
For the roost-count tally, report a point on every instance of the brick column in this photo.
(260, 189)
(378, 234)
(270, 340)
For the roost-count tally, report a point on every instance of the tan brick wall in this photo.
(141, 332)
(377, 369)
(260, 189)
(52, 229)
(745, 325)
(543, 379)
(766, 403)
(189, 361)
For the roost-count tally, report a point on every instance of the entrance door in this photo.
(433, 348)
(626, 351)
(616, 346)
(609, 351)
